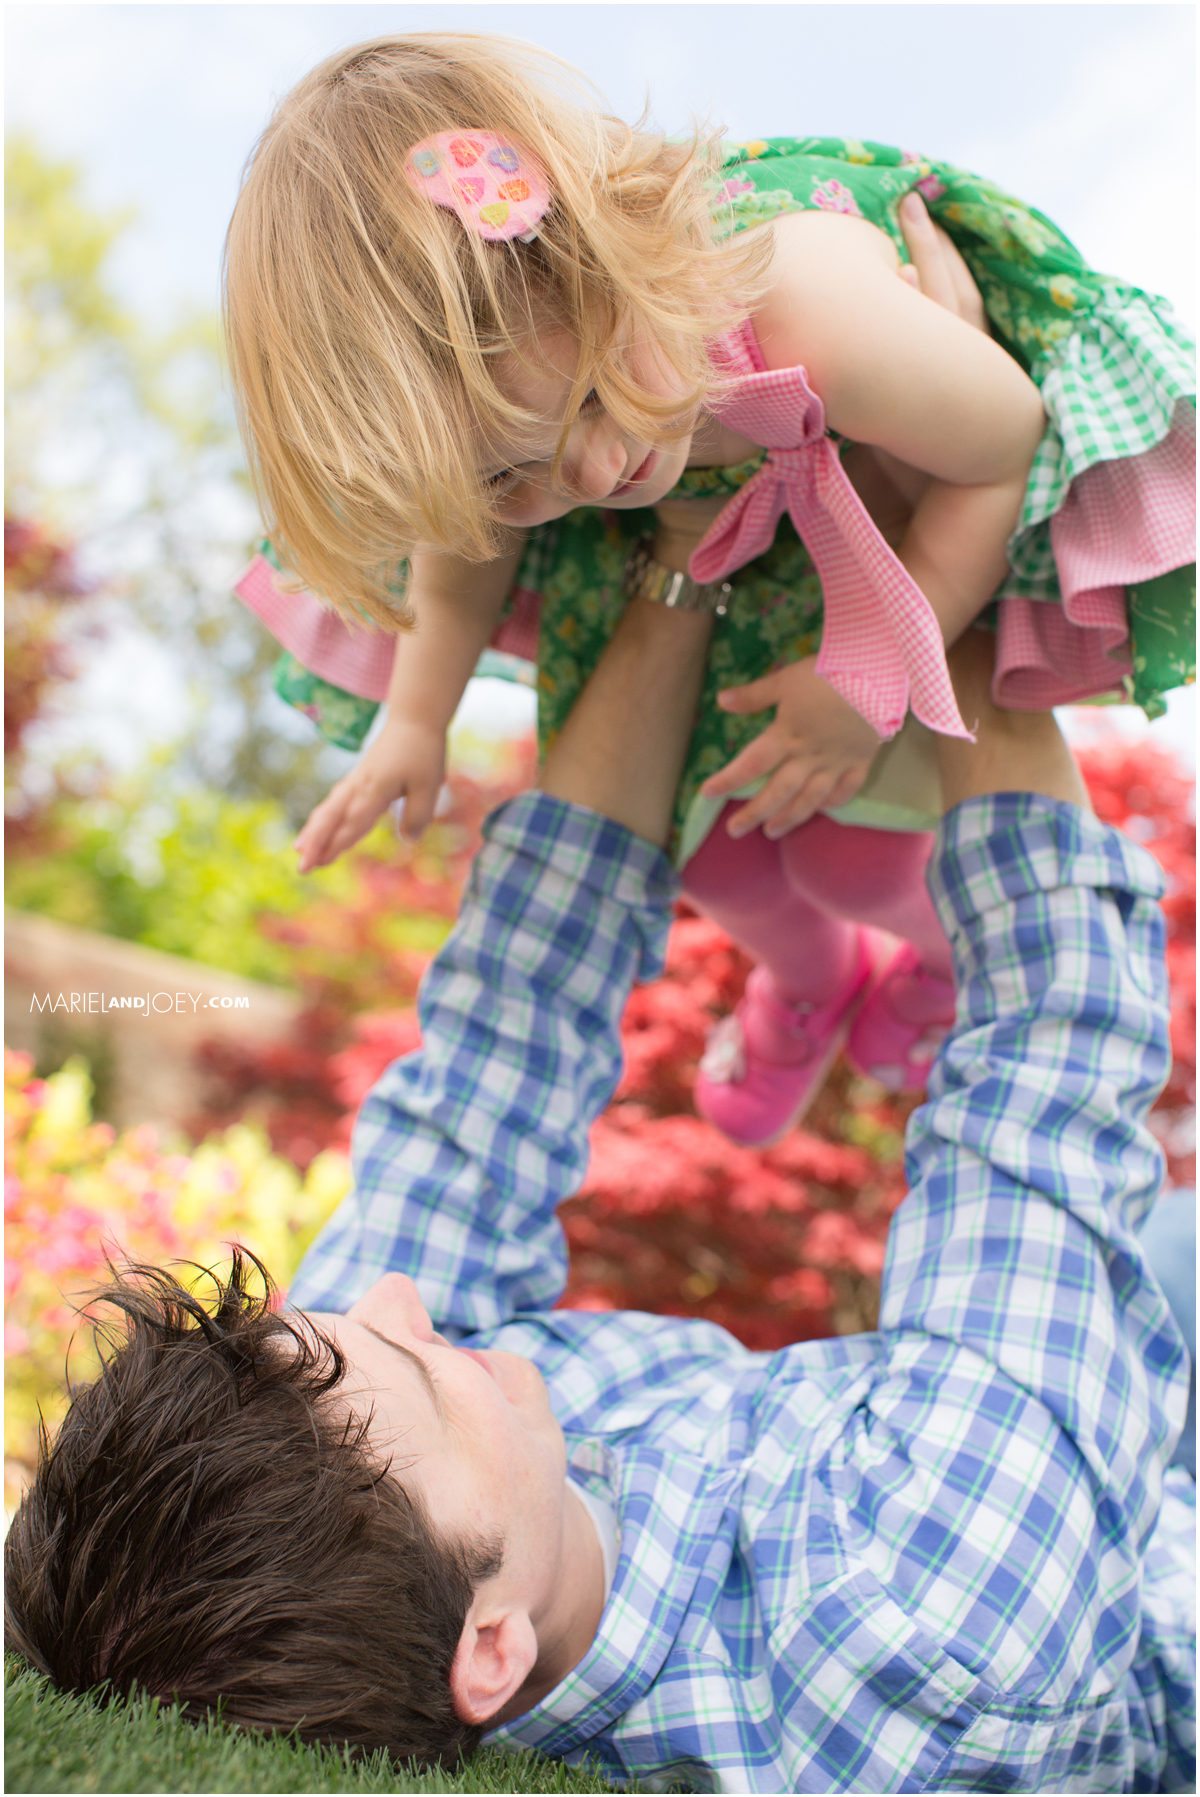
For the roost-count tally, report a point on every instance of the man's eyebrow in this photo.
(423, 1372)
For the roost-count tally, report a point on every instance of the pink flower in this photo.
(586, 1300)
(732, 189)
(931, 186)
(834, 1239)
(834, 196)
(805, 1287)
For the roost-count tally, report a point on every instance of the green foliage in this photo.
(223, 862)
(195, 873)
(83, 879)
(58, 1743)
(191, 875)
(55, 249)
(74, 355)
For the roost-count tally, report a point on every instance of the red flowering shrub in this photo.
(777, 1245)
(1145, 792)
(41, 586)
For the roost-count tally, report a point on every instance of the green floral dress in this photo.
(1112, 363)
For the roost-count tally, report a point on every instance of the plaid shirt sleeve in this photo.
(1031, 1164)
(463, 1150)
(1036, 1378)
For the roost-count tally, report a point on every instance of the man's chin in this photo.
(520, 1381)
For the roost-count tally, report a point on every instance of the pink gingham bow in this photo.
(881, 647)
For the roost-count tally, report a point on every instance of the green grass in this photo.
(58, 1743)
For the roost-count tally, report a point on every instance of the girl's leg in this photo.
(869, 876)
(878, 877)
(797, 905)
(742, 884)
(764, 1065)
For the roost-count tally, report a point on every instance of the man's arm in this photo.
(463, 1150)
(1035, 1379)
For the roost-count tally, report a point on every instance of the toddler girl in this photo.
(502, 361)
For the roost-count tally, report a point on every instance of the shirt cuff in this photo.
(585, 847)
(599, 861)
(1006, 845)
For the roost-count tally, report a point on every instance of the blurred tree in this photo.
(123, 438)
(41, 588)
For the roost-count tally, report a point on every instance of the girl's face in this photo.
(602, 464)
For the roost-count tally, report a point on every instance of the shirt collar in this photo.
(670, 1512)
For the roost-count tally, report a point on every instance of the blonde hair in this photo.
(365, 324)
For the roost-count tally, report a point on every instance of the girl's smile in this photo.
(644, 473)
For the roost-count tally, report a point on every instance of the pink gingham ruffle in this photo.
(1121, 523)
(358, 661)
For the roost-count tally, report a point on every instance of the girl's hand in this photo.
(817, 751)
(406, 761)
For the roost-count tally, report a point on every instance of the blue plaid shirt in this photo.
(945, 1556)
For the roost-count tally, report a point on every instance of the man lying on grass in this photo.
(945, 1556)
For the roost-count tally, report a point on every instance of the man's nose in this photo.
(393, 1304)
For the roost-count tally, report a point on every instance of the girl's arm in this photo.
(945, 427)
(904, 373)
(457, 606)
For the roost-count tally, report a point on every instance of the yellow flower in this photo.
(325, 1185)
(67, 1106)
(856, 152)
(755, 148)
(1062, 292)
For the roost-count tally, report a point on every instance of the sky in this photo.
(1084, 110)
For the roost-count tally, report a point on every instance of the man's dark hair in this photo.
(210, 1525)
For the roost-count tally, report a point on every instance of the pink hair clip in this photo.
(498, 191)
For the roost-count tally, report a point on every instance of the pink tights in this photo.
(792, 904)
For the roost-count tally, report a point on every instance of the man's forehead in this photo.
(343, 1327)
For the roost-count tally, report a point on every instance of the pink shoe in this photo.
(763, 1066)
(902, 1023)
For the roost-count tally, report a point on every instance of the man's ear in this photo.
(496, 1653)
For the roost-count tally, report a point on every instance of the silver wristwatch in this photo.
(645, 578)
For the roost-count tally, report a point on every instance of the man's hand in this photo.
(1013, 751)
(406, 761)
(937, 270)
(817, 751)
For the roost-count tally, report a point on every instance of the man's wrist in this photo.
(649, 577)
